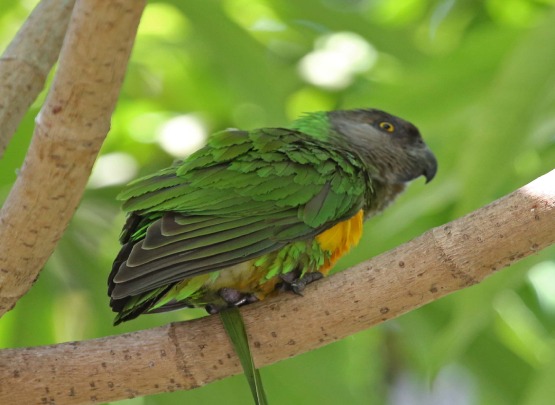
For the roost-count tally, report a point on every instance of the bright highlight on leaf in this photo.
(112, 169)
(182, 135)
(337, 59)
(542, 278)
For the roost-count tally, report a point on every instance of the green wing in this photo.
(243, 195)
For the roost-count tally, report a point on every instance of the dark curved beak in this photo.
(430, 169)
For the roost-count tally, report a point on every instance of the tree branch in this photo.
(70, 129)
(179, 356)
(27, 61)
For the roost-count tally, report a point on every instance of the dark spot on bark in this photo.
(274, 334)
(56, 109)
(401, 264)
(433, 290)
(384, 310)
(91, 384)
(327, 313)
(256, 344)
(110, 384)
(93, 398)
(291, 342)
(162, 353)
(72, 392)
(16, 373)
(220, 362)
(103, 364)
(537, 217)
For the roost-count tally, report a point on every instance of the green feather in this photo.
(235, 329)
(229, 137)
(316, 124)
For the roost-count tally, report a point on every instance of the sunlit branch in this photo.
(27, 61)
(185, 355)
(69, 132)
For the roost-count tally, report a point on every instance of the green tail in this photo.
(235, 328)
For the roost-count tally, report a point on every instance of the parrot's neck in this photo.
(316, 124)
(380, 196)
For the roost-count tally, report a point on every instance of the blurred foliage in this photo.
(477, 77)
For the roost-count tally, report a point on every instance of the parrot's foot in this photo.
(231, 297)
(292, 281)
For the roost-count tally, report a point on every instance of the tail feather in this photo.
(235, 328)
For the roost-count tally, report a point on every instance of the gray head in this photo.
(389, 144)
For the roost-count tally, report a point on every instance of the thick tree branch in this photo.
(180, 356)
(27, 61)
(70, 129)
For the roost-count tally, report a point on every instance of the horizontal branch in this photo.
(26, 62)
(180, 356)
(69, 132)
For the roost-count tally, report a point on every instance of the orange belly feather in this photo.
(339, 239)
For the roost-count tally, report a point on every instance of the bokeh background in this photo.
(478, 79)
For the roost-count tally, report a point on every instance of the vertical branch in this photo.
(27, 61)
(69, 132)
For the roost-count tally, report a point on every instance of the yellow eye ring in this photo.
(387, 126)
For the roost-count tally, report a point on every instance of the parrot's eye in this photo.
(387, 126)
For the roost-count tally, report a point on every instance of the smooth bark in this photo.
(26, 62)
(69, 132)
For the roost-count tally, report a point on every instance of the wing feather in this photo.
(245, 194)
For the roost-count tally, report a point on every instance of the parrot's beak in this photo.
(430, 169)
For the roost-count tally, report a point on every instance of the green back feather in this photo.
(315, 124)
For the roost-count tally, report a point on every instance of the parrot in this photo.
(257, 212)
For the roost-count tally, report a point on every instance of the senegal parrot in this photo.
(257, 212)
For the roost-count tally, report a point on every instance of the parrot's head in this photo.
(391, 146)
